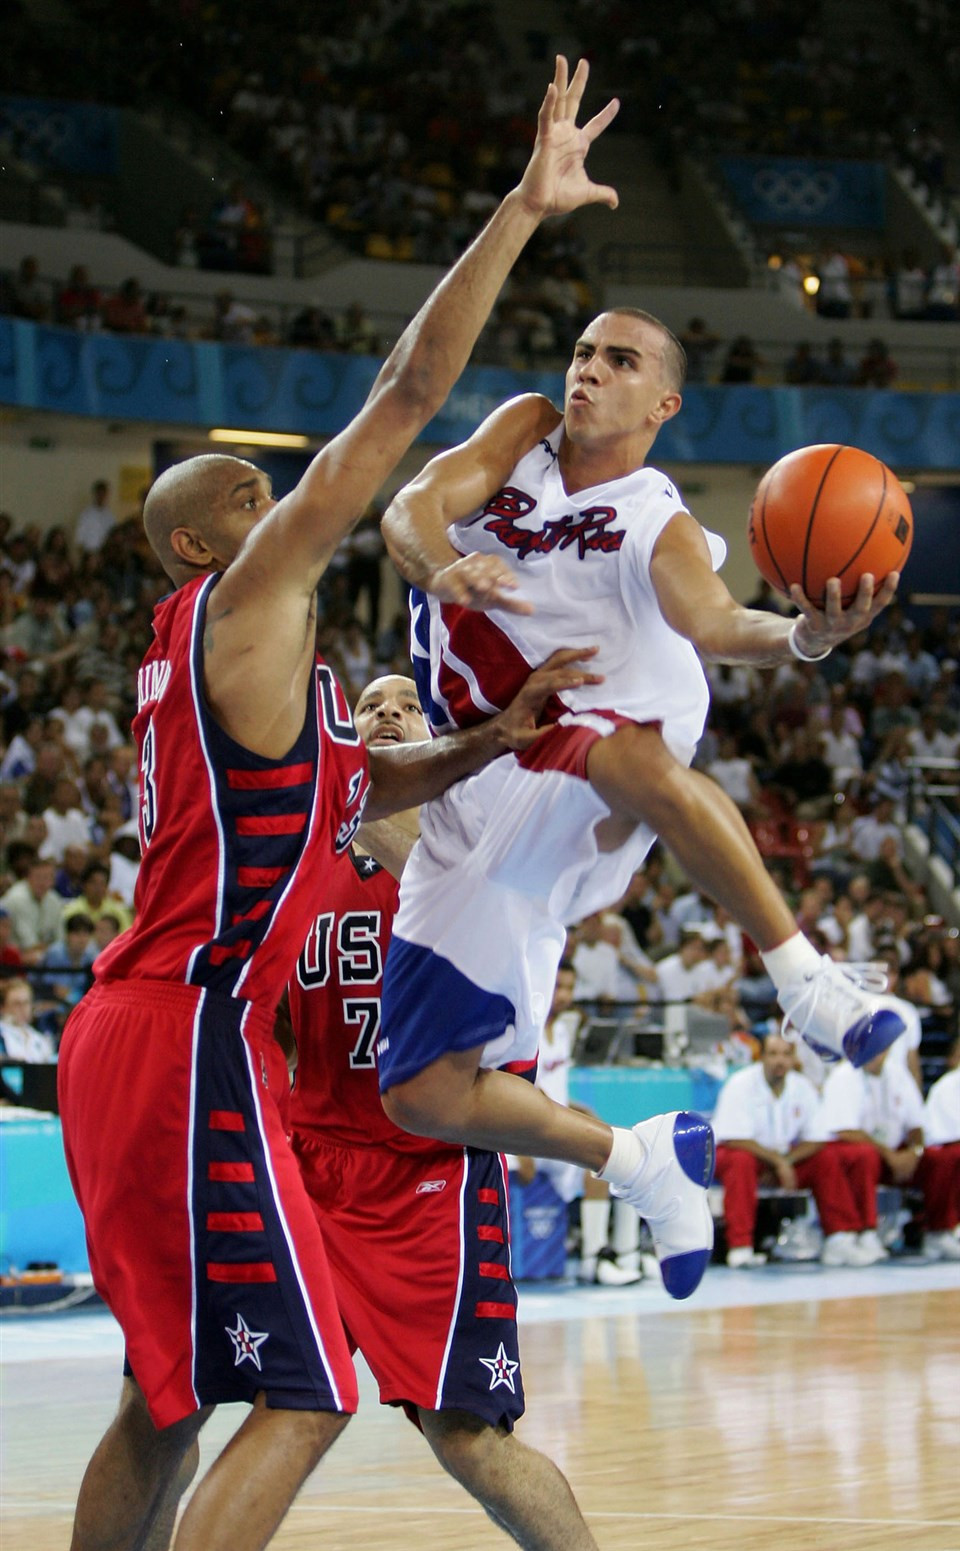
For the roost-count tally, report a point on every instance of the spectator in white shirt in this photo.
(598, 961)
(841, 749)
(95, 521)
(67, 824)
(768, 1130)
(676, 974)
(19, 1040)
(609, 1259)
(96, 712)
(35, 910)
(734, 773)
(868, 832)
(941, 1129)
(929, 741)
(878, 1108)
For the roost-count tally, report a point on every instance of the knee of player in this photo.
(462, 1442)
(318, 1429)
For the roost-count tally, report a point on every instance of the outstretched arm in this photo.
(295, 542)
(409, 774)
(698, 605)
(260, 621)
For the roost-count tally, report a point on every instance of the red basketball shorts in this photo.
(202, 1239)
(419, 1248)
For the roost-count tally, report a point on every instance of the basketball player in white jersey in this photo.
(555, 529)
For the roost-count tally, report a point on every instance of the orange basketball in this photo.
(829, 511)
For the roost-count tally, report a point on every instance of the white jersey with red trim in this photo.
(583, 562)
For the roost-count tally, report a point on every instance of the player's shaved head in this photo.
(673, 357)
(387, 681)
(190, 495)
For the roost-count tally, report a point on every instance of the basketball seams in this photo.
(766, 540)
(829, 517)
(808, 536)
(870, 531)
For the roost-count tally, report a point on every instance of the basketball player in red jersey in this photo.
(438, 1329)
(253, 780)
(545, 522)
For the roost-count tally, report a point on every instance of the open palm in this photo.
(556, 181)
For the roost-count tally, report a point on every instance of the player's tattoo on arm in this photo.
(211, 620)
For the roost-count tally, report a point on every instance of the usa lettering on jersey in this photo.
(587, 530)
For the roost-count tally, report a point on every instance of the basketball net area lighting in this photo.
(811, 284)
(257, 438)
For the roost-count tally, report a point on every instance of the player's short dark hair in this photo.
(673, 356)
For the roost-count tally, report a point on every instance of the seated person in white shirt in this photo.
(676, 974)
(877, 1109)
(767, 1125)
(609, 1229)
(19, 1040)
(941, 1129)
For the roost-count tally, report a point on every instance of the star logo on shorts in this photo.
(247, 1343)
(501, 1370)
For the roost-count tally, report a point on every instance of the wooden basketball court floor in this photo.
(792, 1408)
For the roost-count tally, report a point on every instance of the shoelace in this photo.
(866, 977)
(869, 977)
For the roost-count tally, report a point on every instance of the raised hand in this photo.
(555, 181)
(821, 629)
(519, 725)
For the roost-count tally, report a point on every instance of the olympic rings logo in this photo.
(796, 192)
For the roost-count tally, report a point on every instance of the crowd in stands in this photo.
(820, 757)
(845, 285)
(339, 123)
(544, 305)
(825, 760)
(742, 361)
(542, 309)
(771, 78)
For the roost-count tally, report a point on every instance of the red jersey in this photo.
(335, 1011)
(236, 848)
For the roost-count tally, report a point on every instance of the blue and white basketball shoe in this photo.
(669, 1191)
(840, 1010)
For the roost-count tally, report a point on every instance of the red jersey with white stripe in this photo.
(236, 847)
(583, 562)
(335, 1011)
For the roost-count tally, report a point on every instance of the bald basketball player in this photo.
(253, 781)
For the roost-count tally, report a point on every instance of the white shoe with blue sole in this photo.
(669, 1191)
(840, 1010)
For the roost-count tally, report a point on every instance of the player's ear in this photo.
(668, 406)
(190, 547)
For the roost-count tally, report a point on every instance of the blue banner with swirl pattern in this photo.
(180, 382)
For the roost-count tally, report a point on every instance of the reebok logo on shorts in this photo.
(428, 1187)
(246, 1342)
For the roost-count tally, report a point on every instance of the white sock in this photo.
(594, 1227)
(625, 1235)
(795, 957)
(626, 1158)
